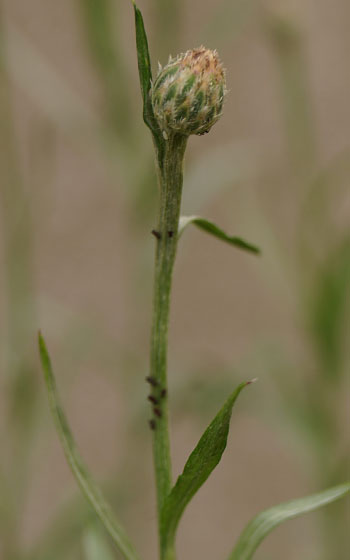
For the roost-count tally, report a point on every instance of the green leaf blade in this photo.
(214, 230)
(261, 525)
(145, 75)
(200, 464)
(143, 57)
(78, 468)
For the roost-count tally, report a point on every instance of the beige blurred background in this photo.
(78, 202)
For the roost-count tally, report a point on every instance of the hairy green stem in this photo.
(170, 182)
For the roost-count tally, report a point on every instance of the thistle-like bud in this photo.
(188, 93)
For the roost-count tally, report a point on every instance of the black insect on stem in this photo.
(157, 412)
(163, 393)
(156, 234)
(170, 234)
(152, 381)
(152, 424)
(153, 399)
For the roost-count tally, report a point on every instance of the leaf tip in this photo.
(44, 353)
(254, 249)
(254, 380)
(41, 341)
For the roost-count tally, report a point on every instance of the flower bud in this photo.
(188, 93)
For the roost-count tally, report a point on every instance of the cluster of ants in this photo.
(155, 401)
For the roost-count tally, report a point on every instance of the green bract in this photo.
(188, 93)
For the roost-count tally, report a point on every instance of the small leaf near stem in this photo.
(144, 64)
(267, 520)
(202, 461)
(213, 229)
(145, 75)
(79, 470)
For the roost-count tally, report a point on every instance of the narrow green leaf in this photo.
(145, 74)
(143, 58)
(79, 470)
(199, 466)
(267, 520)
(213, 229)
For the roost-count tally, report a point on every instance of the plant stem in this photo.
(170, 183)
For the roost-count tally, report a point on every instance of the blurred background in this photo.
(78, 198)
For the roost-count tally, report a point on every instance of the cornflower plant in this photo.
(185, 98)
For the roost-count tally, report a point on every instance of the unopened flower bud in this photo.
(188, 93)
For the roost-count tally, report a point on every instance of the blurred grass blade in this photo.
(95, 546)
(199, 466)
(64, 531)
(86, 483)
(213, 229)
(267, 520)
(291, 55)
(44, 85)
(329, 310)
(102, 40)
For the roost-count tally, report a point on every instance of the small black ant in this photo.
(157, 412)
(152, 381)
(163, 393)
(152, 399)
(152, 424)
(156, 233)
